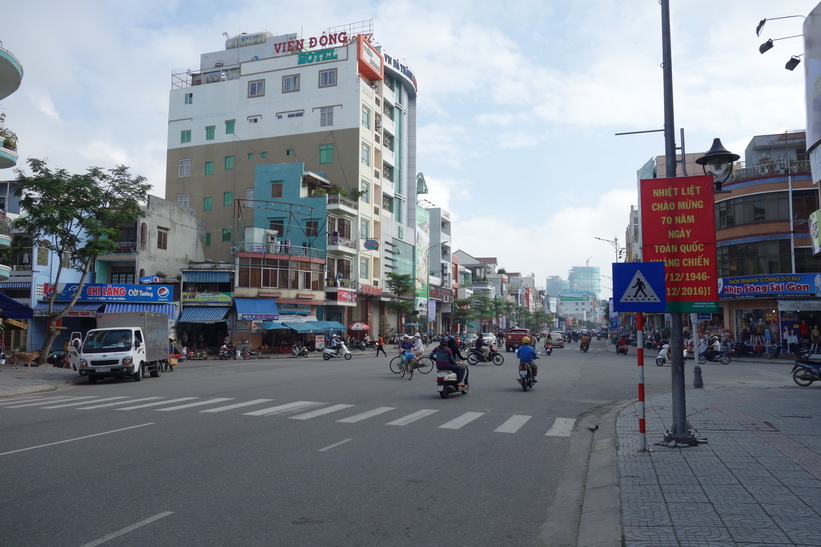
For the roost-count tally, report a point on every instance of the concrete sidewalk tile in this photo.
(763, 536)
(650, 536)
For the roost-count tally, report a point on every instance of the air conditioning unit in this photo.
(272, 237)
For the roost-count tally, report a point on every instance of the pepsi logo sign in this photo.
(163, 292)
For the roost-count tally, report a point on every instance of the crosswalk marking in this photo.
(562, 427)
(320, 412)
(86, 402)
(512, 424)
(129, 401)
(198, 403)
(23, 399)
(365, 415)
(461, 421)
(49, 401)
(238, 405)
(158, 403)
(418, 415)
(283, 409)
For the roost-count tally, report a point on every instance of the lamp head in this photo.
(759, 27)
(793, 62)
(766, 46)
(718, 161)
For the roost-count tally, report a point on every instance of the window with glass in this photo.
(769, 207)
(364, 228)
(227, 198)
(250, 156)
(282, 274)
(256, 88)
(326, 153)
(264, 155)
(209, 168)
(366, 154)
(364, 267)
(184, 168)
(183, 199)
(249, 194)
(122, 275)
(755, 258)
(210, 132)
(326, 116)
(229, 126)
(162, 239)
(365, 188)
(278, 225)
(229, 163)
(185, 136)
(207, 239)
(207, 203)
(226, 234)
(290, 83)
(312, 228)
(276, 189)
(343, 226)
(189, 98)
(327, 78)
(366, 117)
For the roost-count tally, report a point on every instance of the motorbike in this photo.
(548, 349)
(805, 372)
(58, 359)
(584, 346)
(299, 351)
(526, 376)
(476, 356)
(621, 348)
(664, 356)
(774, 352)
(341, 351)
(722, 357)
(447, 385)
(245, 354)
(227, 351)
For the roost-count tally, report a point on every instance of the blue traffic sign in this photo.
(639, 287)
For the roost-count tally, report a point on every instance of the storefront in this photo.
(250, 312)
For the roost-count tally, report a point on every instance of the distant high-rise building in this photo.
(555, 285)
(585, 279)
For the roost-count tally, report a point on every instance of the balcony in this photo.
(341, 244)
(279, 248)
(793, 167)
(5, 231)
(338, 203)
(11, 73)
(123, 248)
(8, 149)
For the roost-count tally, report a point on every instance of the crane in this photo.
(587, 262)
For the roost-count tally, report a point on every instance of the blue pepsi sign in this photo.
(109, 292)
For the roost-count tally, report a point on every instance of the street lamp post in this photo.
(616, 247)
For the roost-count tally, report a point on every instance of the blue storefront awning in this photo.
(203, 314)
(206, 277)
(168, 309)
(332, 325)
(256, 309)
(308, 327)
(272, 325)
(80, 309)
(14, 309)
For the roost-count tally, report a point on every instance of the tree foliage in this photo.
(77, 217)
(400, 285)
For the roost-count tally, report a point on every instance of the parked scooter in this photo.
(476, 356)
(341, 351)
(664, 356)
(722, 357)
(299, 351)
(447, 385)
(805, 372)
(621, 348)
(227, 351)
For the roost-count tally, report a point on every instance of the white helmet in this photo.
(406, 337)
(335, 336)
(417, 335)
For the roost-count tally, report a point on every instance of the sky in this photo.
(517, 106)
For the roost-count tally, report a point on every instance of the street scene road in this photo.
(304, 451)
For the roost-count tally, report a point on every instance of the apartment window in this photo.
(184, 168)
(366, 117)
(366, 154)
(209, 168)
(277, 225)
(364, 229)
(162, 239)
(290, 83)
(210, 131)
(122, 275)
(254, 119)
(343, 226)
(326, 116)
(365, 188)
(276, 190)
(250, 156)
(207, 203)
(364, 267)
(207, 239)
(229, 126)
(249, 194)
(226, 234)
(227, 198)
(256, 88)
(183, 200)
(189, 98)
(326, 153)
(229, 163)
(312, 228)
(263, 155)
(185, 136)
(327, 78)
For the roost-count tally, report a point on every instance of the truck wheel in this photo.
(92, 379)
(155, 371)
(138, 373)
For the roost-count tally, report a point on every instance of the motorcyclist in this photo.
(483, 347)
(443, 357)
(454, 348)
(335, 343)
(714, 348)
(585, 340)
(527, 354)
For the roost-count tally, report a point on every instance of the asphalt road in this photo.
(308, 452)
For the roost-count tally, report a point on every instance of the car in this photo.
(470, 338)
(558, 339)
(514, 338)
(489, 338)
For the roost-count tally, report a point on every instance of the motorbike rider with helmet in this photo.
(527, 354)
(443, 357)
(454, 349)
(334, 344)
(713, 349)
(483, 347)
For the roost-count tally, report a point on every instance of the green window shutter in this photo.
(226, 234)
(209, 168)
(209, 132)
(227, 198)
(185, 135)
(229, 163)
(208, 239)
(229, 127)
(207, 203)
(326, 153)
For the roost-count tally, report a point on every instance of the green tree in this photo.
(78, 217)
(400, 285)
(482, 307)
(462, 311)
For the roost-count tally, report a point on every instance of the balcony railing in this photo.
(8, 139)
(280, 248)
(771, 168)
(6, 225)
(340, 241)
(342, 200)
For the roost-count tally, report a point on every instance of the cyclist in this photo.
(527, 354)
(418, 348)
(406, 349)
(443, 357)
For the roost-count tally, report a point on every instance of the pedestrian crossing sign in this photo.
(639, 287)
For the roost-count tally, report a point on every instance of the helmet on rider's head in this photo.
(525, 340)
(450, 339)
(443, 341)
(334, 336)
(405, 337)
(417, 335)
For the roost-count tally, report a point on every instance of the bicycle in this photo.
(422, 365)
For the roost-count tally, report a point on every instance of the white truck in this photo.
(125, 344)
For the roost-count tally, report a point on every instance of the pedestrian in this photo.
(380, 346)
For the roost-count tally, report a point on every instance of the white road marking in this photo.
(283, 409)
(86, 402)
(320, 412)
(512, 424)
(158, 403)
(74, 439)
(562, 427)
(22, 399)
(461, 421)
(119, 403)
(418, 415)
(198, 403)
(365, 415)
(334, 445)
(128, 529)
(54, 400)
(238, 405)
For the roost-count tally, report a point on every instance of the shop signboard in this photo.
(189, 297)
(109, 292)
(770, 285)
(678, 228)
(345, 297)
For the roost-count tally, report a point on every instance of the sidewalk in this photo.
(24, 381)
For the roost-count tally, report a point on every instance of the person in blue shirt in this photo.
(527, 354)
(443, 357)
(406, 349)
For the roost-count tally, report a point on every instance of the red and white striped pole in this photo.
(640, 353)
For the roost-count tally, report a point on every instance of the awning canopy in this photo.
(256, 309)
(14, 309)
(331, 325)
(168, 309)
(308, 327)
(80, 309)
(800, 304)
(206, 277)
(272, 325)
(472, 325)
(203, 314)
